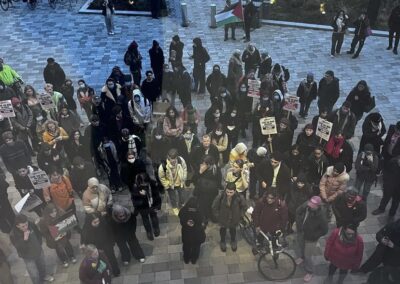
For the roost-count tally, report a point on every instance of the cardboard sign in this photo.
(324, 129)
(268, 125)
(63, 225)
(39, 179)
(159, 108)
(254, 88)
(291, 103)
(27, 203)
(6, 109)
(46, 101)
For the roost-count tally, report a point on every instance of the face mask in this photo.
(243, 89)
(82, 85)
(233, 114)
(131, 160)
(187, 136)
(217, 115)
(110, 86)
(158, 137)
(223, 95)
(218, 133)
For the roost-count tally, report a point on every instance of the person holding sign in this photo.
(27, 240)
(60, 243)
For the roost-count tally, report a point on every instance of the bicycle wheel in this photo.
(52, 3)
(4, 5)
(281, 266)
(247, 232)
(32, 4)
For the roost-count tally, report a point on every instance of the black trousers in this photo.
(337, 41)
(199, 77)
(342, 273)
(232, 27)
(247, 26)
(304, 107)
(397, 38)
(130, 245)
(7, 216)
(109, 252)
(232, 232)
(147, 216)
(357, 40)
(191, 252)
(389, 192)
(64, 251)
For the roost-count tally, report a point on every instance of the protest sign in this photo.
(159, 108)
(46, 101)
(6, 109)
(254, 88)
(27, 203)
(39, 179)
(324, 129)
(268, 125)
(60, 227)
(291, 103)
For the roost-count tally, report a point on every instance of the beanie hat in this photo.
(339, 167)
(330, 73)
(314, 202)
(241, 148)
(93, 182)
(347, 104)
(261, 151)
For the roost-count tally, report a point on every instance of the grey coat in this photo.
(226, 216)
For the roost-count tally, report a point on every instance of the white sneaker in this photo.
(48, 278)
(125, 263)
(142, 260)
(73, 260)
(332, 56)
(65, 264)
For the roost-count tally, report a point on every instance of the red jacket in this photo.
(344, 256)
(270, 218)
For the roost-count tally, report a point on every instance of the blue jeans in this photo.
(175, 202)
(363, 187)
(36, 268)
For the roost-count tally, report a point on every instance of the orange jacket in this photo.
(61, 194)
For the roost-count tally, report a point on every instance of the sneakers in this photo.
(299, 261)
(156, 232)
(332, 56)
(234, 246)
(48, 278)
(73, 260)
(307, 278)
(142, 260)
(222, 245)
(65, 264)
(377, 211)
(176, 211)
(350, 52)
(125, 263)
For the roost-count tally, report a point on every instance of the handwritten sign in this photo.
(254, 88)
(39, 179)
(324, 129)
(268, 125)
(6, 109)
(27, 203)
(46, 101)
(63, 225)
(291, 103)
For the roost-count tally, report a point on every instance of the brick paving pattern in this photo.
(81, 45)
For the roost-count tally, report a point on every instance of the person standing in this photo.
(367, 164)
(27, 240)
(94, 268)
(349, 208)
(328, 91)
(157, 60)
(394, 28)
(193, 234)
(228, 208)
(360, 34)
(391, 145)
(200, 58)
(5, 271)
(232, 26)
(360, 99)
(176, 51)
(249, 12)
(108, 13)
(339, 26)
(133, 59)
(54, 74)
(344, 249)
(251, 58)
(155, 6)
(311, 225)
(307, 92)
(7, 216)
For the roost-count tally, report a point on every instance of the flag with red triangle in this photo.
(232, 14)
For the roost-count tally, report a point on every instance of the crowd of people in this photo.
(295, 184)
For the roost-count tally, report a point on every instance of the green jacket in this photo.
(8, 75)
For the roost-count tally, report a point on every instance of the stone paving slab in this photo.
(80, 44)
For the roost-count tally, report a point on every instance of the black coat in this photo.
(265, 67)
(110, 6)
(178, 48)
(101, 236)
(360, 27)
(386, 143)
(229, 216)
(159, 149)
(79, 178)
(371, 135)
(307, 92)
(251, 60)
(391, 178)
(296, 197)
(183, 150)
(194, 235)
(391, 255)
(30, 249)
(266, 174)
(359, 101)
(199, 153)
(200, 58)
(316, 224)
(123, 230)
(347, 128)
(315, 170)
(54, 75)
(345, 215)
(294, 163)
(151, 200)
(151, 90)
(130, 171)
(306, 143)
(394, 19)
(328, 94)
(215, 81)
(156, 59)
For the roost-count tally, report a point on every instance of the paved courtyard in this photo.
(80, 44)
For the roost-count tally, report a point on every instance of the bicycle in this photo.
(247, 228)
(274, 263)
(5, 4)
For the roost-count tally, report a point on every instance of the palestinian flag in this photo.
(233, 14)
